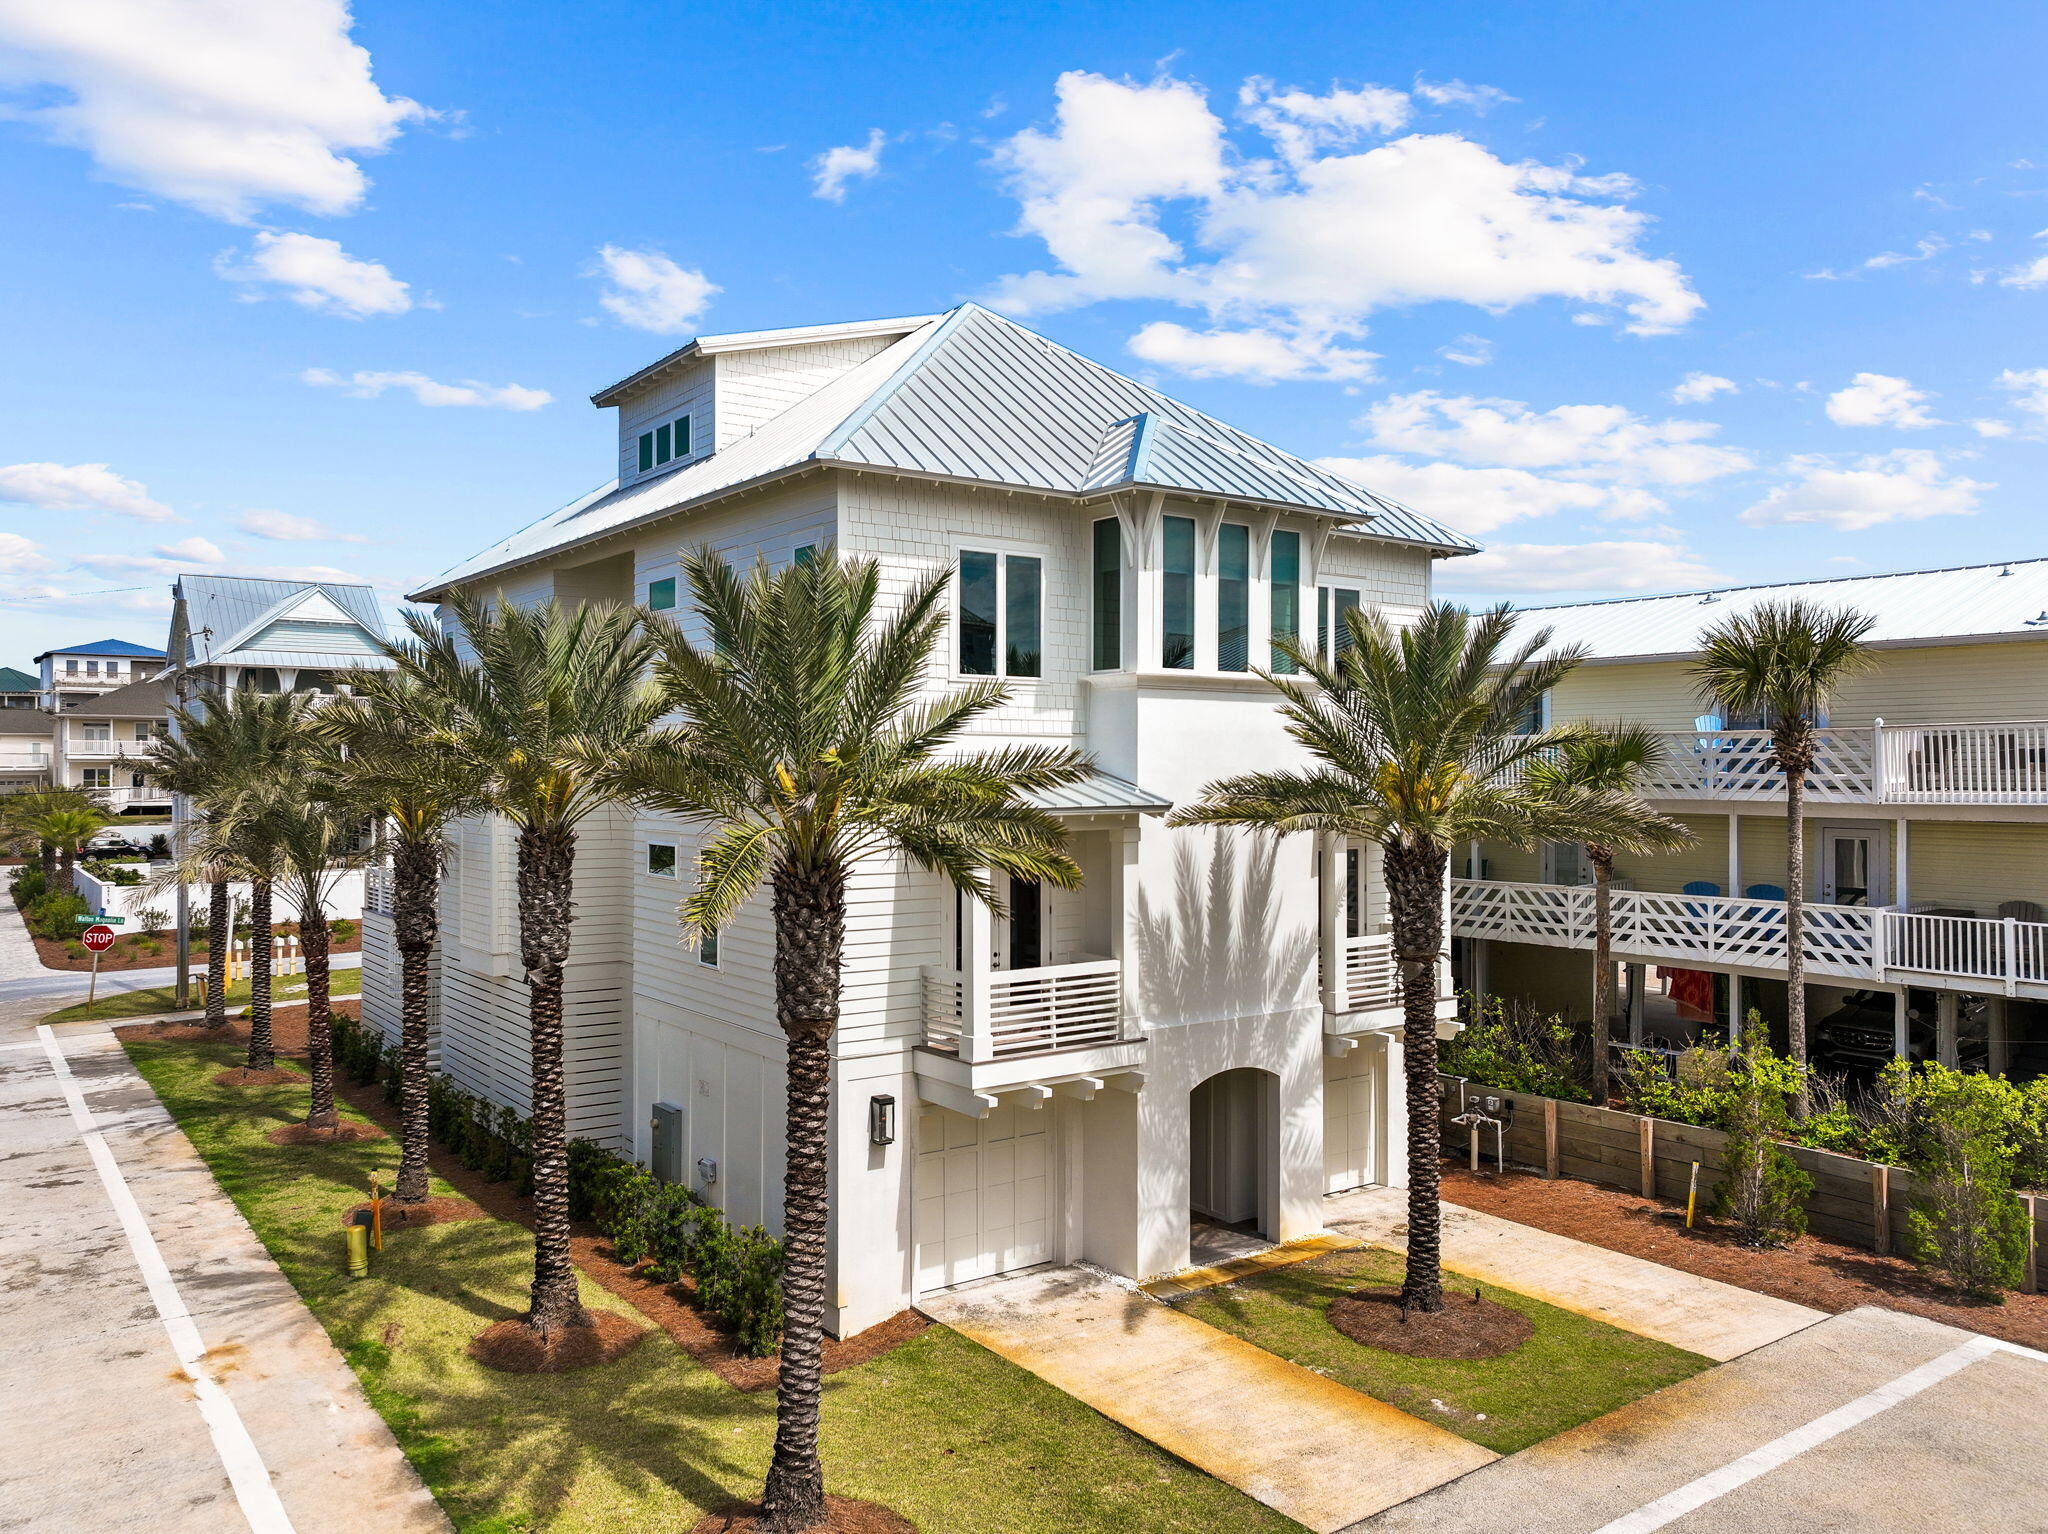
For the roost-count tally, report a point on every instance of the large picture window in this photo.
(1286, 594)
(1109, 595)
(1001, 605)
(1233, 597)
(1177, 608)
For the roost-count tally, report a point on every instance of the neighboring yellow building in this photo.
(1926, 833)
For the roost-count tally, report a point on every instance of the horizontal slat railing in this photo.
(377, 891)
(1013, 1012)
(1371, 977)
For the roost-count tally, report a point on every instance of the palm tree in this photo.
(811, 749)
(1612, 762)
(318, 839)
(1782, 662)
(535, 703)
(26, 823)
(388, 737)
(68, 828)
(1415, 741)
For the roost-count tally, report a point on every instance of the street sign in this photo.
(94, 921)
(98, 939)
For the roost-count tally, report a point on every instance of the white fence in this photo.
(1000, 1014)
(1862, 943)
(344, 899)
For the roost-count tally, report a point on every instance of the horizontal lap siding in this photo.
(686, 391)
(772, 525)
(757, 385)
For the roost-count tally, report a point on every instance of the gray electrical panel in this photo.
(667, 1158)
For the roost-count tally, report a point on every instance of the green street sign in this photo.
(102, 921)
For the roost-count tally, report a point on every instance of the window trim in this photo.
(1003, 550)
(1194, 598)
(1327, 613)
(676, 430)
(647, 861)
(1096, 606)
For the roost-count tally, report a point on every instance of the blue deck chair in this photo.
(1764, 892)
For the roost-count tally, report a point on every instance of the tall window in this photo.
(1286, 594)
(1109, 595)
(1001, 598)
(1233, 597)
(1354, 893)
(1333, 635)
(1177, 612)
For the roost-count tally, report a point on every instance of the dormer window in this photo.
(668, 441)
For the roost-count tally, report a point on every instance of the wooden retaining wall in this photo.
(1855, 1202)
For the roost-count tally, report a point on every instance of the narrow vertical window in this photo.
(1333, 634)
(661, 441)
(682, 436)
(707, 947)
(978, 614)
(661, 594)
(1177, 608)
(1353, 891)
(1286, 592)
(1022, 578)
(1109, 595)
(646, 451)
(1346, 602)
(1233, 597)
(1323, 621)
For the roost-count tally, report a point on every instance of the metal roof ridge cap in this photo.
(1817, 580)
(1144, 423)
(836, 439)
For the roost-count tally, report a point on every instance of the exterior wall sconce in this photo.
(881, 1120)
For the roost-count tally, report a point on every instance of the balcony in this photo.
(16, 760)
(1884, 764)
(105, 750)
(1028, 1032)
(1858, 944)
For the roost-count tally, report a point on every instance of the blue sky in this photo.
(287, 285)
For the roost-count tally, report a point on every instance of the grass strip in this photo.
(285, 991)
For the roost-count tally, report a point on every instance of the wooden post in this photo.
(1550, 1157)
(1881, 1209)
(2033, 1279)
(1646, 1129)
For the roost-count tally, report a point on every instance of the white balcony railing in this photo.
(1371, 978)
(1859, 943)
(1004, 1013)
(377, 891)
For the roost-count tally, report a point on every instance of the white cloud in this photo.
(368, 385)
(1992, 428)
(1582, 441)
(1698, 388)
(847, 162)
(1877, 399)
(1468, 351)
(1258, 356)
(1477, 501)
(1313, 242)
(222, 105)
(1923, 250)
(1647, 565)
(192, 551)
(283, 527)
(648, 291)
(1456, 93)
(1302, 124)
(1904, 485)
(318, 274)
(79, 487)
(2029, 389)
(22, 556)
(2029, 274)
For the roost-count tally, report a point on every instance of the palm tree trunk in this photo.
(1795, 932)
(1415, 898)
(46, 855)
(547, 871)
(810, 928)
(262, 1054)
(313, 938)
(1603, 970)
(67, 859)
(220, 938)
(415, 868)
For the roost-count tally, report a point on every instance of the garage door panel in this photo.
(983, 1194)
(1350, 1098)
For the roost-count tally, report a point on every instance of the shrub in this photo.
(342, 929)
(28, 884)
(358, 1050)
(1514, 1047)
(53, 914)
(152, 919)
(1693, 1089)
(75, 950)
(160, 847)
(739, 1280)
(1762, 1189)
(1963, 1134)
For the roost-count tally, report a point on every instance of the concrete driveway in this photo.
(1873, 1422)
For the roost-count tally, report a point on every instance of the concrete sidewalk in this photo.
(156, 1370)
(1320, 1452)
(1701, 1315)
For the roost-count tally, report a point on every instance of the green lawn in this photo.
(284, 991)
(1571, 1370)
(952, 1436)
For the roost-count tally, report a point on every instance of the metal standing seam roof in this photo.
(973, 397)
(1995, 601)
(15, 680)
(1100, 794)
(107, 647)
(221, 610)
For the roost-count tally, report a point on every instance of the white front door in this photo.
(1851, 866)
(1350, 1119)
(983, 1193)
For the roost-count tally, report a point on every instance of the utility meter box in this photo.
(667, 1154)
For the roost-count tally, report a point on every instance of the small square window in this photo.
(661, 594)
(806, 553)
(71, 668)
(92, 668)
(646, 451)
(661, 859)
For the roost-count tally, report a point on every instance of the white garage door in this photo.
(1351, 1103)
(982, 1193)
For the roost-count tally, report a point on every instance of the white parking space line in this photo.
(1718, 1483)
(231, 1440)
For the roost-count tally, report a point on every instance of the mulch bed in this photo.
(1828, 1275)
(125, 954)
(515, 1348)
(347, 1132)
(843, 1515)
(1469, 1326)
(438, 1210)
(287, 1028)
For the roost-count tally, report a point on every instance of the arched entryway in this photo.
(1234, 1156)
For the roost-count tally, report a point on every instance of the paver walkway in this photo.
(1321, 1453)
(1701, 1315)
(156, 1370)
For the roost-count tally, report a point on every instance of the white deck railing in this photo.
(1861, 943)
(377, 891)
(1003, 1013)
(1371, 978)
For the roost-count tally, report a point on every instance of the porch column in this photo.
(1734, 853)
(1734, 1006)
(1901, 886)
(1902, 1034)
(2000, 1023)
(1330, 919)
(1123, 938)
(1472, 858)
(977, 951)
(1638, 976)
(1946, 1006)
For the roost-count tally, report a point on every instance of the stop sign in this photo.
(98, 939)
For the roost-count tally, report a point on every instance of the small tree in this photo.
(1965, 1134)
(1762, 1189)
(152, 920)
